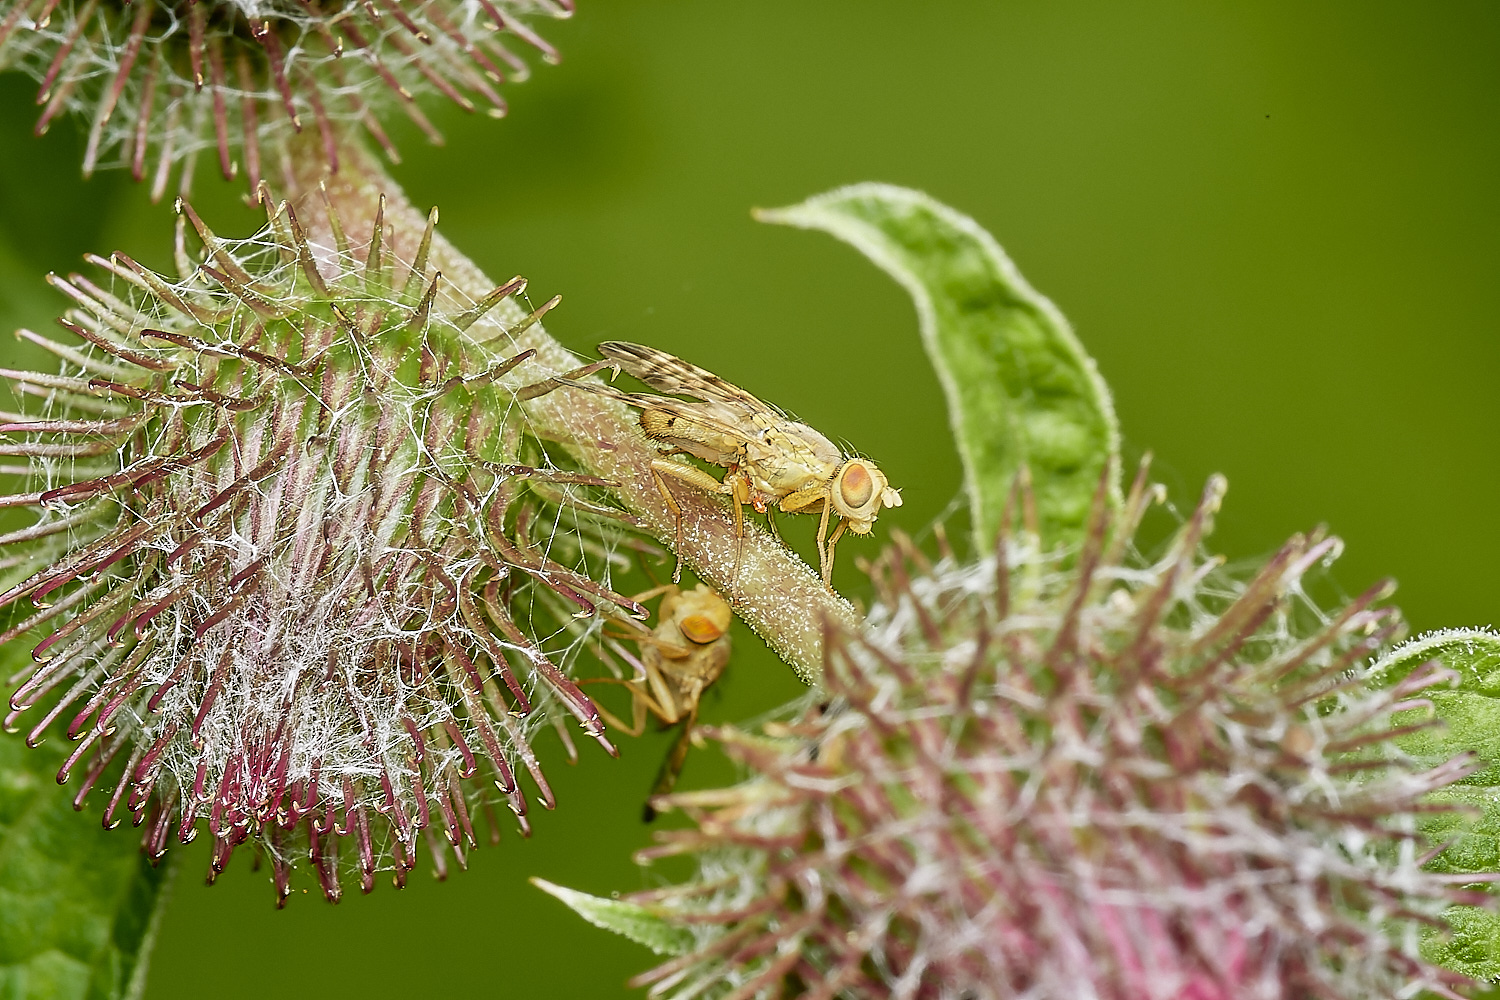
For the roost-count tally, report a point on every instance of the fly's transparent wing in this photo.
(669, 373)
(722, 419)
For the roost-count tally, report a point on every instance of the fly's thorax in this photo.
(791, 457)
(822, 450)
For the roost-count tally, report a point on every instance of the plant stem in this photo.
(773, 590)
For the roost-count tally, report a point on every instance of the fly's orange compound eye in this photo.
(856, 486)
(700, 629)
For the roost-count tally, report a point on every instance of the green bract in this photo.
(629, 920)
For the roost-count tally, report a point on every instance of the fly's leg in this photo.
(666, 494)
(656, 591)
(661, 468)
(637, 707)
(799, 501)
(771, 523)
(671, 767)
(837, 534)
(664, 706)
(690, 474)
(640, 704)
(738, 491)
(741, 496)
(825, 553)
(804, 498)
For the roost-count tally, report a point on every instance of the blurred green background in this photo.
(1275, 225)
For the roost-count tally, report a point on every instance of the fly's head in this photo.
(702, 616)
(858, 492)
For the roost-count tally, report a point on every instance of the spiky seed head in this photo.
(293, 567)
(160, 81)
(1077, 775)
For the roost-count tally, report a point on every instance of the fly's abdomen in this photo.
(691, 437)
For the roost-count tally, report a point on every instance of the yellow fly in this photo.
(679, 660)
(771, 459)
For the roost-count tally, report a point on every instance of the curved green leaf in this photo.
(78, 904)
(1473, 652)
(1470, 710)
(1022, 392)
(629, 920)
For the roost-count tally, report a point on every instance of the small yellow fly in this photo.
(771, 459)
(679, 660)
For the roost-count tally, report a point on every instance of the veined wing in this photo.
(669, 373)
(721, 418)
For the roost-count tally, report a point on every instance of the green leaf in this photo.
(1473, 652)
(1470, 946)
(630, 920)
(1470, 711)
(1022, 392)
(78, 904)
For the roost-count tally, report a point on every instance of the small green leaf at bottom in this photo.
(1022, 392)
(629, 920)
(78, 904)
